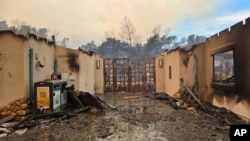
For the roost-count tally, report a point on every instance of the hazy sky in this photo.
(85, 20)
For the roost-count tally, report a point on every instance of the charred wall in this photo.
(234, 96)
(237, 36)
(237, 97)
(68, 64)
(193, 70)
(73, 62)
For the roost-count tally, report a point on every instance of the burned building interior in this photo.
(190, 93)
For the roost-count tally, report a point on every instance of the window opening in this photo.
(224, 68)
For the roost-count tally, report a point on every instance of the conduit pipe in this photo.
(31, 54)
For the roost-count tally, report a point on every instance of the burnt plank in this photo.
(5, 119)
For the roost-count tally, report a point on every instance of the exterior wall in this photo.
(87, 73)
(14, 66)
(68, 64)
(193, 69)
(12, 71)
(159, 74)
(199, 52)
(172, 85)
(238, 36)
(99, 75)
(42, 52)
(78, 67)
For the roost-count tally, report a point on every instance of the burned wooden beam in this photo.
(192, 94)
(8, 118)
(51, 114)
(22, 121)
(74, 99)
(89, 100)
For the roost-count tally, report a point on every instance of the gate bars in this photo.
(129, 74)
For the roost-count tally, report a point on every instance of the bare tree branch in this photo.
(127, 31)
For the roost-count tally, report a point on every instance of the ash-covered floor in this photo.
(142, 119)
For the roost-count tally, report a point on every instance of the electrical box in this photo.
(50, 96)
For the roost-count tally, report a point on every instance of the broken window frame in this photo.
(225, 85)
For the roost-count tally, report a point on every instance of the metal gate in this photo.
(129, 75)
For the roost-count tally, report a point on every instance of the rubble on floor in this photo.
(149, 117)
(16, 119)
(188, 103)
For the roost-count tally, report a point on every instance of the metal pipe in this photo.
(32, 100)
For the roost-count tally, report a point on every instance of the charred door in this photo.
(129, 75)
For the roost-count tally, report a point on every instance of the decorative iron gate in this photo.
(129, 74)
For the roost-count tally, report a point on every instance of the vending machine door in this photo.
(43, 97)
(56, 97)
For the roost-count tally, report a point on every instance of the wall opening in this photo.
(223, 71)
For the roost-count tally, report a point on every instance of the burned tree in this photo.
(127, 31)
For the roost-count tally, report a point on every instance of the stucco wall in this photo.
(99, 75)
(78, 66)
(238, 36)
(159, 74)
(68, 65)
(42, 52)
(172, 85)
(12, 71)
(193, 69)
(87, 73)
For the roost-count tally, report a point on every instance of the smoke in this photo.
(88, 20)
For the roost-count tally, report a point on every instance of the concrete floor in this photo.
(143, 119)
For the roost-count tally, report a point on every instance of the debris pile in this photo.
(19, 115)
(187, 101)
(141, 118)
(18, 108)
(197, 107)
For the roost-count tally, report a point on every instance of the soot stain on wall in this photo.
(72, 62)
